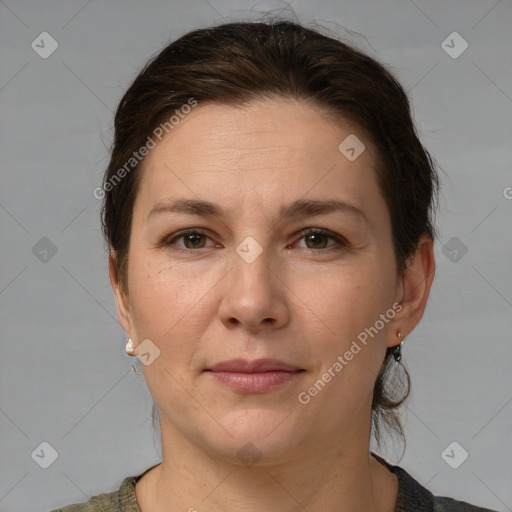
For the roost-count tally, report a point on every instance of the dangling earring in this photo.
(397, 351)
(129, 348)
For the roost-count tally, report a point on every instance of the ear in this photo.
(415, 289)
(121, 295)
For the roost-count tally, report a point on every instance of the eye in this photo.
(316, 239)
(192, 239)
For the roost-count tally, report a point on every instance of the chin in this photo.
(256, 437)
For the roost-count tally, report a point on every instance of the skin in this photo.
(302, 301)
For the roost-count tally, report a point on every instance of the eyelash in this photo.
(340, 241)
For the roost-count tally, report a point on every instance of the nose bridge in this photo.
(255, 259)
(252, 263)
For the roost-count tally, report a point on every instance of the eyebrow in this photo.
(299, 208)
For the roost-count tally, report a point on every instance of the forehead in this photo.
(266, 151)
(263, 125)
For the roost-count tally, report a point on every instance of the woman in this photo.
(269, 213)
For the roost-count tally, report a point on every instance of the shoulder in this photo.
(122, 499)
(413, 496)
(444, 504)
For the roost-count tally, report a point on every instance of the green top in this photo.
(412, 497)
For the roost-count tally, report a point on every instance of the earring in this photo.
(129, 348)
(397, 351)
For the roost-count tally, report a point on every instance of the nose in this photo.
(254, 294)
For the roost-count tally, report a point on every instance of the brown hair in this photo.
(238, 62)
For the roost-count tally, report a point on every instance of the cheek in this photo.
(349, 303)
(351, 297)
(166, 302)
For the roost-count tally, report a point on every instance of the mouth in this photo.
(258, 376)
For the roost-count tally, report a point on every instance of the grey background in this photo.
(64, 378)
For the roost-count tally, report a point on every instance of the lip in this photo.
(256, 366)
(258, 376)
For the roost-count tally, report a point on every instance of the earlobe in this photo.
(416, 285)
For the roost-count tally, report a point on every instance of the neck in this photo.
(347, 479)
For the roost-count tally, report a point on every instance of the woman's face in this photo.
(252, 281)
